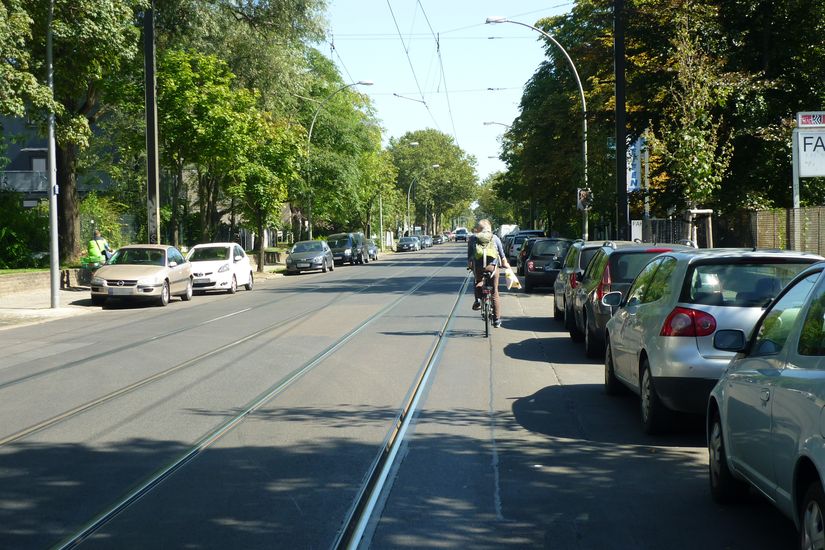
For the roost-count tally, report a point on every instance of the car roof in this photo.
(154, 246)
(206, 245)
(701, 254)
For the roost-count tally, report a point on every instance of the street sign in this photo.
(810, 119)
(811, 153)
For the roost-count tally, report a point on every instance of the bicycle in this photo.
(487, 300)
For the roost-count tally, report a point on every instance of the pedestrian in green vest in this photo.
(98, 248)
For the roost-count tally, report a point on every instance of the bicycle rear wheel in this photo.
(487, 314)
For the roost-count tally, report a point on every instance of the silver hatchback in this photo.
(660, 341)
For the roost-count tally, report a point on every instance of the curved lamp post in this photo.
(415, 179)
(309, 136)
(581, 94)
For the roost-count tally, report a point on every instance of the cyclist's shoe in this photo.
(497, 323)
(476, 305)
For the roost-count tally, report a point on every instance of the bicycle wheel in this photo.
(487, 314)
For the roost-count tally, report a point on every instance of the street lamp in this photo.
(309, 137)
(581, 94)
(491, 122)
(409, 189)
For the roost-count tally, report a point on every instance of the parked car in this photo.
(438, 239)
(461, 234)
(764, 416)
(523, 250)
(575, 263)
(660, 341)
(309, 255)
(372, 249)
(348, 248)
(542, 264)
(143, 271)
(518, 238)
(407, 244)
(426, 241)
(611, 270)
(220, 266)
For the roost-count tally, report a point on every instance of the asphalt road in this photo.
(250, 421)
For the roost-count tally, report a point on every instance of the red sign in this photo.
(810, 119)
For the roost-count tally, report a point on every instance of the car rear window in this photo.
(550, 248)
(587, 255)
(624, 266)
(738, 284)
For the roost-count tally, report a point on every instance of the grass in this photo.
(22, 270)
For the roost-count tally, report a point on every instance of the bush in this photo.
(104, 214)
(24, 233)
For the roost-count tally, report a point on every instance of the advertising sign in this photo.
(811, 152)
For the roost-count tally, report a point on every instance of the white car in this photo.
(220, 266)
(765, 416)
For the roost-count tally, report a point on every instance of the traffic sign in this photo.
(810, 119)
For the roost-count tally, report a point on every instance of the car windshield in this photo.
(138, 256)
(209, 253)
(338, 241)
(313, 246)
(738, 284)
(407, 240)
(461, 232)
(625, 267)
(550, 248)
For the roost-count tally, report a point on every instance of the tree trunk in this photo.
(68, 205)
(261, 249)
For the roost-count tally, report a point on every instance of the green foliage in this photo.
(24, 233)
(102, 213)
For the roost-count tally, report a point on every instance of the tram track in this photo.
(151, 339)
(147, 485)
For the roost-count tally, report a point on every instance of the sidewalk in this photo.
(33, 306)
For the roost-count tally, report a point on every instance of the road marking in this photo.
(226, 316)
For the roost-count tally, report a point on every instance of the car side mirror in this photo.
(579, 276)
(730, 340)
(612, 299)
(238, 258)
(173, 264)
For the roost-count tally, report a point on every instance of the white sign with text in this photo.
(811, 152)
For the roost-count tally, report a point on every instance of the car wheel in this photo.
(251, 282)
(98, 300)
(164, 294)
(332, 265)
(592, 346)
(233, 286)
(572, 327)
(324, 267)
(558, 314)
(653, 410)
(186, 296)
(366, 259)
(811, 521)
(612, 386)
(724, 488)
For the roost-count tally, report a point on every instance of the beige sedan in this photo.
(143, 271)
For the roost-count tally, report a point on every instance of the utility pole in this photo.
(152, 169)
(54, 260)
(622, 221)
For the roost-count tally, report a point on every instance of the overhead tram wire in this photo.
(409, 61)
(441, 65)
(562, 5)
(334, 50)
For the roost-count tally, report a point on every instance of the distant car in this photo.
(438, 239)
(543, 262)
(310, 255)
(660, 341)
(764, 416)
(418, 245)
(523, 252)
(611, 270)
(426, 241)
(220, 266)
(406, 244)
(461, 234)
(143, 271)
(348, 248)
(372, 249)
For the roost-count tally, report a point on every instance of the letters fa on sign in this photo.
(811, 153)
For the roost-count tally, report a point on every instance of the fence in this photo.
(801, 229)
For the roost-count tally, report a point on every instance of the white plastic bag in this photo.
(512, 280)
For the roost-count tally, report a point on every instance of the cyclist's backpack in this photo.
(485, 247)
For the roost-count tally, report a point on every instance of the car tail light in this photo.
(604, 284)
(531, 266)
(573, 281)
(688, 322)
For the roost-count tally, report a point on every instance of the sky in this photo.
(485, 67)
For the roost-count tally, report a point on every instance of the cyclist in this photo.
(483, 246)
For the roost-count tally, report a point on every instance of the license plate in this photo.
(303, 265)
(338, 257)
(119, 291)
(202, 281)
